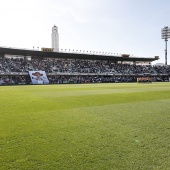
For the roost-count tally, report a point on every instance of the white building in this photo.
(55, 38)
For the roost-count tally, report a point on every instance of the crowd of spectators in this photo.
(165, 69)
(92, 70)
(89, 79)
(75, 66)
(3, 65)
(65, 79)
(14, 80)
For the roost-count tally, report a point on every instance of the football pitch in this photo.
(85, 127)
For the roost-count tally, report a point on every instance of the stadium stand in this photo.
(14, 70)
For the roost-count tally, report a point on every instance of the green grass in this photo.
(85, 127)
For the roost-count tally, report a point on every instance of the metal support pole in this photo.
(166, 51)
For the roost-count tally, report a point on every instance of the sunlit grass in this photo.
(88, 126)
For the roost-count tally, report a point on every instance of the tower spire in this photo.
(55, 38)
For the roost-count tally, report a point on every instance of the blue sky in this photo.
(118, 26)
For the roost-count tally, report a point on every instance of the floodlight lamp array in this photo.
(165, 33)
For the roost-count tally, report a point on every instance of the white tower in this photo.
(55, 38)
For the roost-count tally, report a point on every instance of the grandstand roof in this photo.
(34, 53)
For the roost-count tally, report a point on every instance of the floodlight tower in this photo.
(165, 35)
(55, 38)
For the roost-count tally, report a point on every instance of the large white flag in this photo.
(38, 77)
